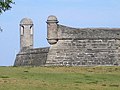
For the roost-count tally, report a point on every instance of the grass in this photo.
(60, 78)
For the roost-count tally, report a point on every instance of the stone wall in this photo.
(72, 47)
(32, 57)
(85, 46)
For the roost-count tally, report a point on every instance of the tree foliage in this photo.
(5, 5)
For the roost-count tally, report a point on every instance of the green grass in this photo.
(60, 78)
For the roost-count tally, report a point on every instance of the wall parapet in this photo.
(65, 32)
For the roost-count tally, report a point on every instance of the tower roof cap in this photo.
(52, 18)
(26, 21)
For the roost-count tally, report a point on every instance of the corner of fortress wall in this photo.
(85, 47)
(32, 57)
(74, 47)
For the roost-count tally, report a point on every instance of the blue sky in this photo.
(74, 13)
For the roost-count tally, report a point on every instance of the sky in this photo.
(74, 13)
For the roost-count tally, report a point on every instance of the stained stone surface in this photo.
(32, 57)
(85, 46)
(73, 47)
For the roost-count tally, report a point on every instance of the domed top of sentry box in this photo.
(26, 21)
(52, 18)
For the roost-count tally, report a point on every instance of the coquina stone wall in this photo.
(32, 57)
(84, 46)
(70, 46)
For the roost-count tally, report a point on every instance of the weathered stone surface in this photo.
(52, 29)
(77, 53)
(85, 46)
(32, 57)
(65, 32)
(26, 33)
(74, 47)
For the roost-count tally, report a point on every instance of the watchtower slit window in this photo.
(22, 30)
(31, 30)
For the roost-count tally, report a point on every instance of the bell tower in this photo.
(26, 34)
